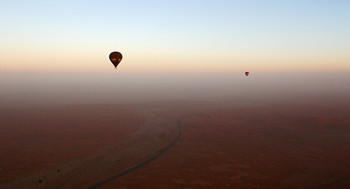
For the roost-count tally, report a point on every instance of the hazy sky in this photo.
(175, 36)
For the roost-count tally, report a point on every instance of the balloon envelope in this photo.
(246, 73)
(115, 57)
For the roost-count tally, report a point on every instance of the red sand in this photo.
(222, 145)
(291, 146)
(36, 139)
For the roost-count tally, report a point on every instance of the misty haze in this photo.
(175, 130)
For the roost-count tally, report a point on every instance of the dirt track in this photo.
(156, 135)
(156, 155)
(222, 146)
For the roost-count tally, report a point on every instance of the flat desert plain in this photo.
(177, 144)
(210, 131)
(267, 146)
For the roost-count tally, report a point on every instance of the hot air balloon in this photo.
(115, 58)
(246, 73)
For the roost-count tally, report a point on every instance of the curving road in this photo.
(159, 153)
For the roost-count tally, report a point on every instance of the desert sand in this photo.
(184, 132)
(222, 145)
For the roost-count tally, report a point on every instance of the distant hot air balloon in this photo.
(115, 58)
(246, 73)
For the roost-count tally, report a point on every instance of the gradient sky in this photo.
(175, 36)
